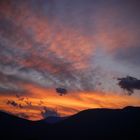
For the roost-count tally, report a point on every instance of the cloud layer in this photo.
(77, 45)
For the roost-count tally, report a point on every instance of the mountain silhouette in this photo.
(54, 119)
(96, 124)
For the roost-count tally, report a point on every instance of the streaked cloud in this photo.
(81, 46)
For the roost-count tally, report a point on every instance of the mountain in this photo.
(96, 124)
(53, 119)
(17, 128)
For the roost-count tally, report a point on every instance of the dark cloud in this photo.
(48, 112)
(23, 115)
(61, 91)
(14, 104)
(129, 83)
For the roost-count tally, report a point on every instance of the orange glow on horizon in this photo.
(46, 41)
(65, 105)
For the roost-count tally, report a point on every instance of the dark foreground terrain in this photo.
(93, 124)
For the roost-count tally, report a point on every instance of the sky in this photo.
(82, 46)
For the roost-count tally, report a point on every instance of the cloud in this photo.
(22, 115)
(129, 83)
(38, 49)
(48, 112)
(14, 104)
(79, 45)
(61, 91)
(130, 55)
(9, 84)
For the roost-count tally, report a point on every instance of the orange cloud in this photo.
(68, 104)
(68, 46)
(72, 51)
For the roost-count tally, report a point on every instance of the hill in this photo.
(96, 124)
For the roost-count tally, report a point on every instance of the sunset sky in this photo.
(80, 45)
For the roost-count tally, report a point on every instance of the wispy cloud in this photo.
(76, 45)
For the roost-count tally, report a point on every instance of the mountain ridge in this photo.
(94, 123)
